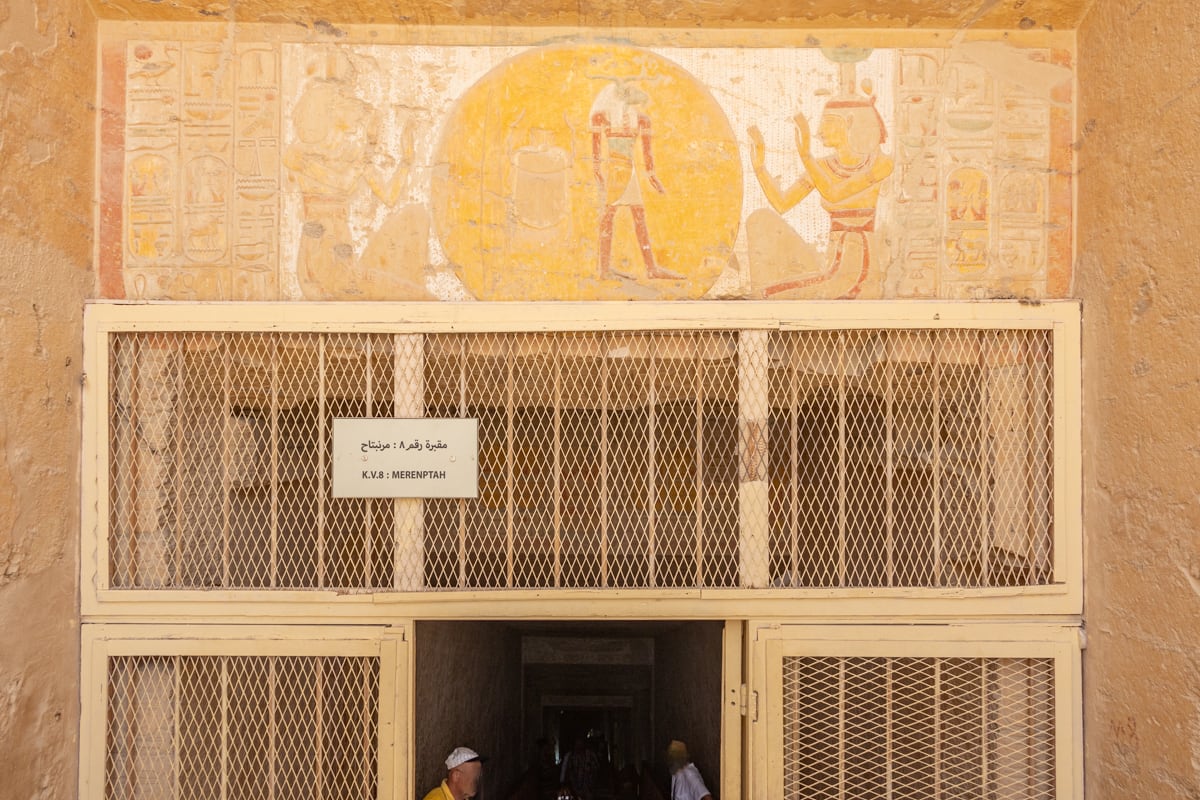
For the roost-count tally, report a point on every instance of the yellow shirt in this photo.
(440, 793)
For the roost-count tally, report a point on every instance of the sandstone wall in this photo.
(47, 114)
(1136, 273)
(1133, 269)
(467, 693)
(687, 695)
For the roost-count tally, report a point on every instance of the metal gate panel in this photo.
(243, 712)
(925, 451)
(900, 713)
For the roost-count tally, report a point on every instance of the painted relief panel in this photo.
(584, 169)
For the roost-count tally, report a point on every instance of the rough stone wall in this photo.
(1138, 239)
(47, 52)
(687, 696)
(468, 692)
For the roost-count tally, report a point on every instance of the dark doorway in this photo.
(523, 693)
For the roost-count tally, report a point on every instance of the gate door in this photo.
(254, 712)
(899, 712)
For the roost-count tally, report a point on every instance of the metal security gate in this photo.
(900, 713)
(924, 456)
(244, 713)
(810, 465)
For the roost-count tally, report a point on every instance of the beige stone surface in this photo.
(1138, 240)
(319, 14)
(468, 693)
(47, 49)
(1135, 271)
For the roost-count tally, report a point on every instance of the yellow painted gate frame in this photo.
(1013, 622)
(1062, 597)
(390, 646)
(769, 643)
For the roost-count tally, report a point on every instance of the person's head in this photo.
(677, 756)
(853, 122)
(463, 768)
(833, 129)
(632, 95)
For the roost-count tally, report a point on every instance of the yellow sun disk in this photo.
(517, 204)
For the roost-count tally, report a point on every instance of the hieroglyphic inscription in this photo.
(918, 172)
(1021, 207)
(256, 168)
(153, 105)
(973, 157)
(968, 145)
(202, 177)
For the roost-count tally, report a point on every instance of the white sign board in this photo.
(406, 458)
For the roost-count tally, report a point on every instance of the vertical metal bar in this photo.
(274, 456)
(272, 726)
(131, 734)
(177, 483)
(889, 489)
(842, 459)
(1039, 434)
(321, 387)
(793, 485)
(368, 504)
(319, 729)
(842, 727)
(698, 387)
(368, 734)
(462, 503)
(889, 729)
(935, 467)
(557, 496)
(1009, 728)
(937, 729)
(510, 492)
(1041, 744)
(224, 727)
(1008, 484)
(754, 496)
(176, 733)
(227, 433)
(605, 342)
(652, 462)
(983, 728)
(985, 459)
(132, 518)
(1035, 725)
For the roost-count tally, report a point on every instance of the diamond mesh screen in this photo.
(607, 459)
(253, 727)
(900, 728)
(911, 458)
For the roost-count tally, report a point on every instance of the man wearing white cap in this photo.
(686, 783)
(463, 768)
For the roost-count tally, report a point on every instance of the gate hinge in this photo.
(748, 703)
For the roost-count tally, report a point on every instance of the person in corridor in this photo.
(463, 768)
(686, 783)
(580, 770)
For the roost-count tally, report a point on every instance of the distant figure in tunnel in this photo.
(686, 783)
(463, 769)
(580, 770)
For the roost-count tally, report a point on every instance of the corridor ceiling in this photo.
(325, 15)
